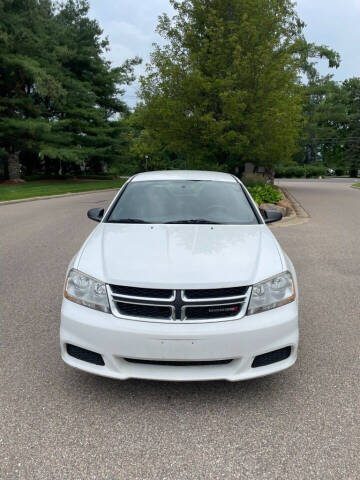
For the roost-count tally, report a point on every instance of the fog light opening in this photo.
(271, 357)
(84, 355)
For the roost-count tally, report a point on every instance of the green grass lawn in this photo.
(357, 185)
(40, 189)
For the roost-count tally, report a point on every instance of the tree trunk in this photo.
(14, 167)
(270, 175)
(353, 172)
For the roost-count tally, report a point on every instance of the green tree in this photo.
(226, 88)
(148, 151)
(25, 83)
(59, 98)
(332, 132)
(89, 119)
(351, 88)
(322, 115)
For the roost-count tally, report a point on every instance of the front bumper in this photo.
(240, 340)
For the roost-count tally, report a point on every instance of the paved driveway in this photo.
(58, 423)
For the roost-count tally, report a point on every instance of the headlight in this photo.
(272, 293)
(87, 291)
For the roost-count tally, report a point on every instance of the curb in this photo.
(299, 210)
(50, 197)
(299, 214)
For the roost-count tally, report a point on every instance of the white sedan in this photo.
(181, 280)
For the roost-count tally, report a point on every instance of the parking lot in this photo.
(61, 424)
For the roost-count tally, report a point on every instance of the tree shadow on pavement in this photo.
(140, 392)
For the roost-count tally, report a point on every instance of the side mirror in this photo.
(271, 216)
(96, 214)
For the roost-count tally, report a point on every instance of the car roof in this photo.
(184, 175)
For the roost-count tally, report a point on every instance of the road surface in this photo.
(57, 423)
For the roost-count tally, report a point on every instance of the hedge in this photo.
(299, 171)
(34, 178)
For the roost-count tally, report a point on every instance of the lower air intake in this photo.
(177, 364)
(271, 357)
(84, 355)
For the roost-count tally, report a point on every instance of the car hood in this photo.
(180, 256)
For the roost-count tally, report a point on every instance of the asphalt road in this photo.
(57, 423)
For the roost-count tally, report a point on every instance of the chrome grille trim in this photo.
(123, 297)
(241, 300)
(210, 299)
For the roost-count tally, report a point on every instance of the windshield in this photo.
(189, 201)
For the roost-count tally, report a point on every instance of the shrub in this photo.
(353, 173)
(33, 178)
(293, 171)
(314, 171)
(301, 171)
(265, 194)
(339, 172)
(97, 177)
(253, 180)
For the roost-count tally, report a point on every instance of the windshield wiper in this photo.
(198, 221)
(195, 221)
(128, 220)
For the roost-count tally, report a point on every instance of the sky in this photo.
(130, 26)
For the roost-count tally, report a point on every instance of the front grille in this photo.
(212, 311)
(216, 293)
(166, 305)
(137, 310)
(142, 292)
(178, 364)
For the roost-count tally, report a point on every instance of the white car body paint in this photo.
(180, 257)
